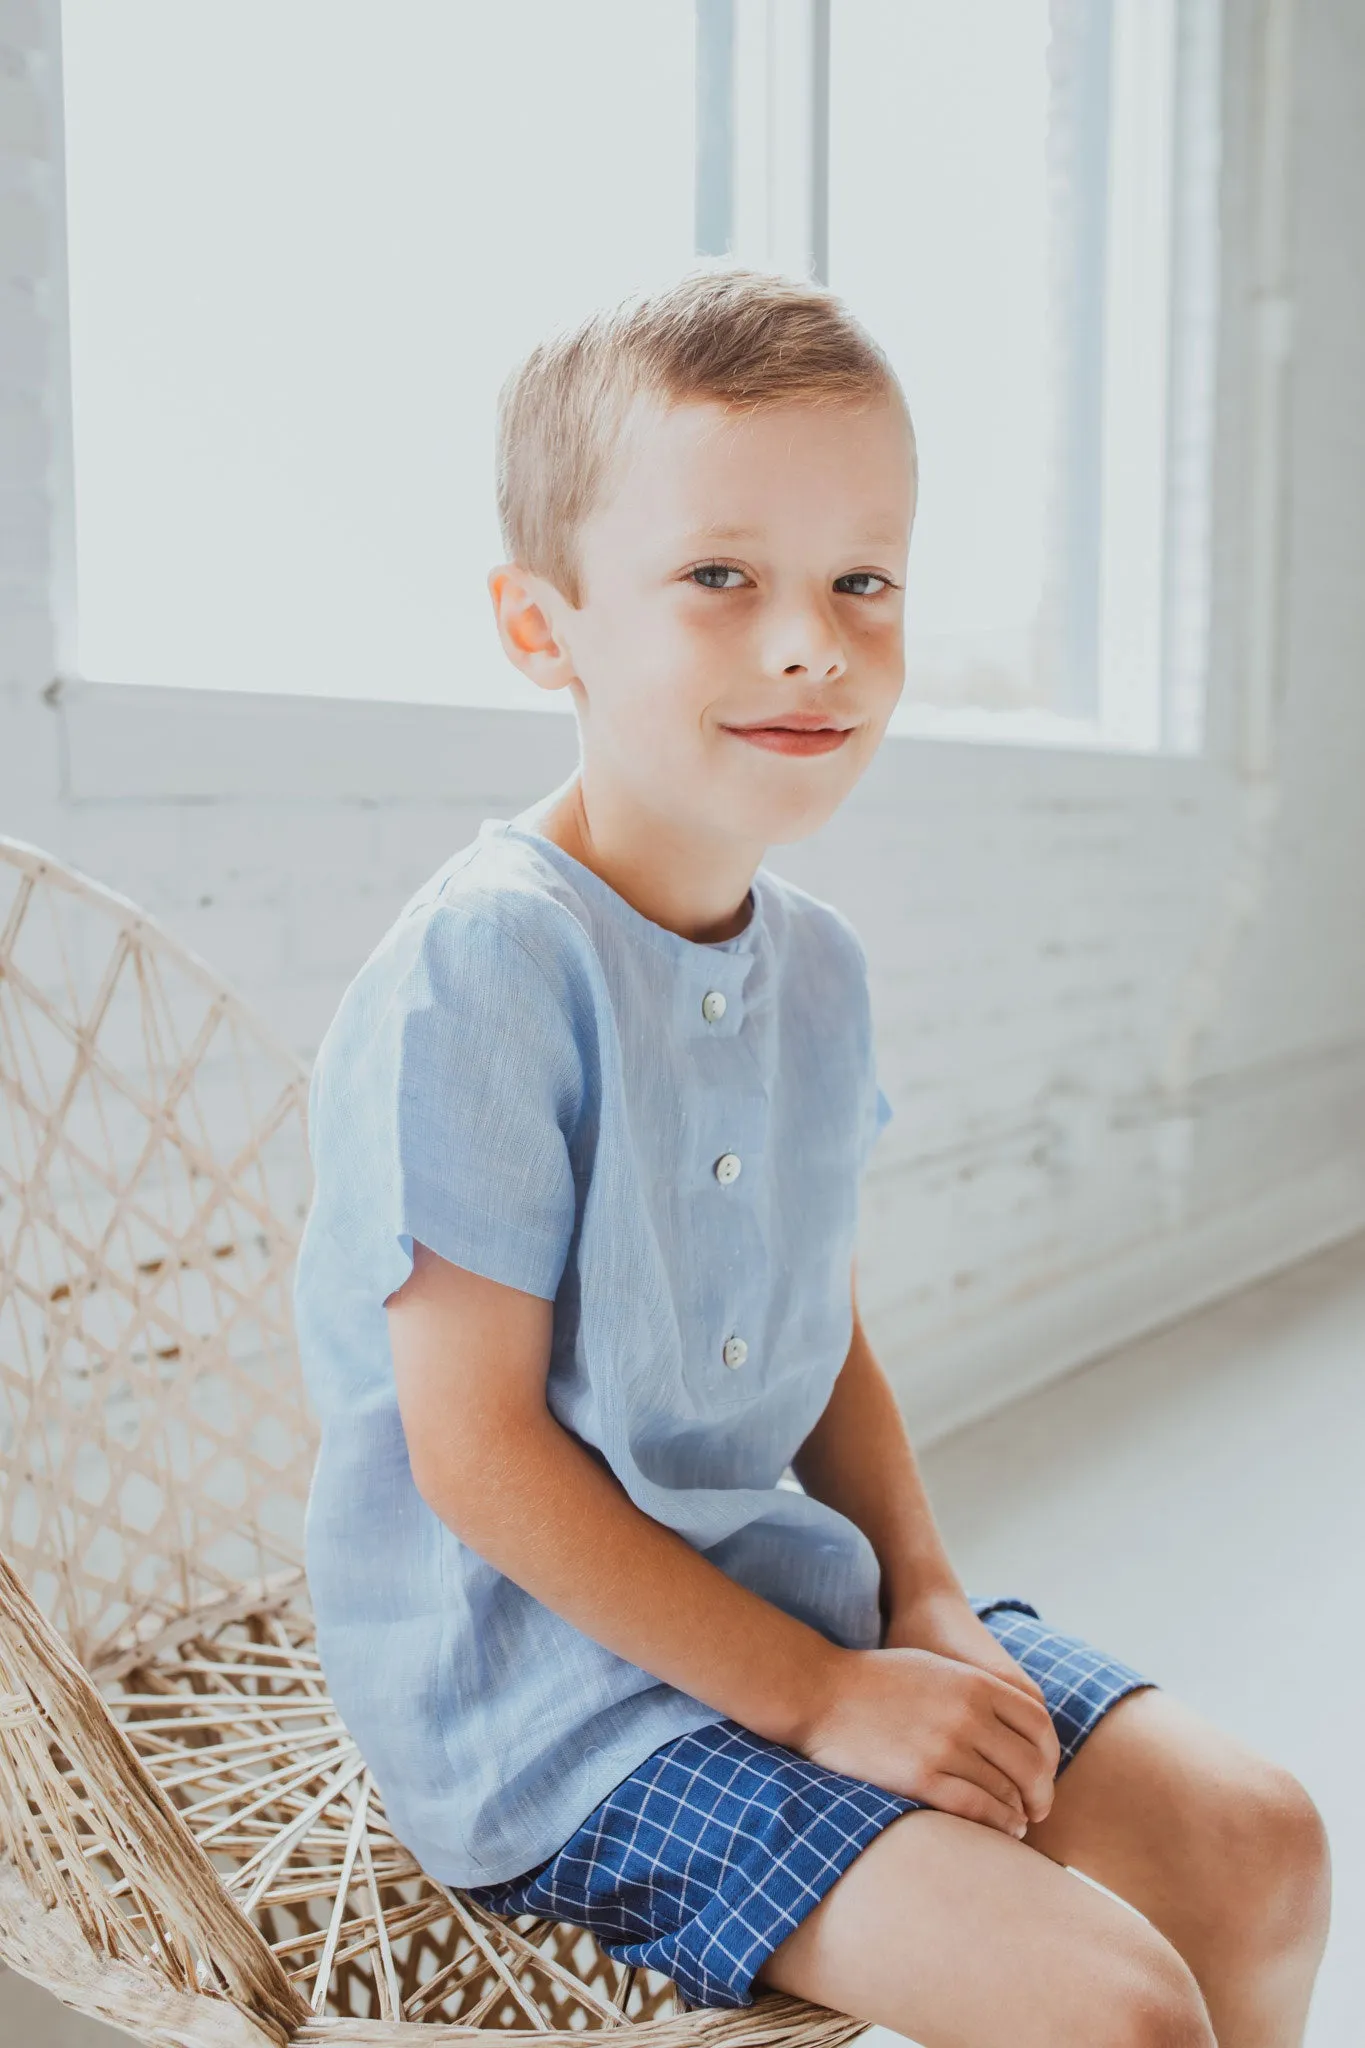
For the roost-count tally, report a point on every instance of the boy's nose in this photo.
(806, 646)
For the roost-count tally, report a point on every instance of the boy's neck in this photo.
(689, 884)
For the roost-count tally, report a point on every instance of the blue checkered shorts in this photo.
(715, 1847)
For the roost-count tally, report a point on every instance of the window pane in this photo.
(306, 242)
(938, 238)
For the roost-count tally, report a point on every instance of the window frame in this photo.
(1138, 338)
(1231, 729)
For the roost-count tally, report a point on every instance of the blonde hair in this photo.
(742, 338)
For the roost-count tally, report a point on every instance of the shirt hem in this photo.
(588, 1791)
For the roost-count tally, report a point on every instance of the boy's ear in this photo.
(521, 605)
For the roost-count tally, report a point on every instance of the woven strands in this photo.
(191, 1846)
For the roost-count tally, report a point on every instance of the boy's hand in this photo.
(946, 1622)
(937, 1728)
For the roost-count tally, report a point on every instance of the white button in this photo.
(713, 1005)
(727, 1168)
(734, 1351)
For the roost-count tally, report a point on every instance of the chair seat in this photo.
(229, 1712)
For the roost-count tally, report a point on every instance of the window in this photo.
(307, 241)
(1019, 198)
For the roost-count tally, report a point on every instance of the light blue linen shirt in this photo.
(540, 1084)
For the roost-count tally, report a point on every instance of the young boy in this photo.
(577, 1289)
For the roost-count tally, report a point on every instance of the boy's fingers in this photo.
(1022, 1763)
(964, 1797)
(1020, 1678)
(998, 1783)
(1022, 1713)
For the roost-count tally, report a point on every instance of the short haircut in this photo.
(741, 338)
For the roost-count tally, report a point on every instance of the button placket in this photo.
(731, 1081)
(710, 1001)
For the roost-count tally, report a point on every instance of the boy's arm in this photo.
(858, 1459)
(491, 1460)
(470, 1360)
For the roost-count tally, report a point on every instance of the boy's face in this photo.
(738, 647)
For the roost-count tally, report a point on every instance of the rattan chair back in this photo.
(153, 1177)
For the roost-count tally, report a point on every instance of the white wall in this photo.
(1121, 999)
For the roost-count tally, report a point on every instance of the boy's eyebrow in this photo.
(873, 536)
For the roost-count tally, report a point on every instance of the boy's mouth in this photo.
(799, 732)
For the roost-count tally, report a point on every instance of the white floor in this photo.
(1195, 1504)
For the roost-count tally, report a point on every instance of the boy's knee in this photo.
(1286, 1862)
(1153, 2001)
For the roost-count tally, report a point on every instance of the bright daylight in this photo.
(682, 1023)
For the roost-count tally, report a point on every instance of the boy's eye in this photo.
(725, 576)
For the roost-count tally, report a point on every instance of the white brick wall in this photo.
(1121, 1000)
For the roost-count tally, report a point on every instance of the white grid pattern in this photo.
(703, 1860)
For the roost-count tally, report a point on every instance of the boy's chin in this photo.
(781, 823)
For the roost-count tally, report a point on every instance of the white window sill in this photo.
(150, 742)
(1024, 728)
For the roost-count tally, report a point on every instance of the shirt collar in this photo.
(726, 961)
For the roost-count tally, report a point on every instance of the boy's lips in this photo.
(800, 732)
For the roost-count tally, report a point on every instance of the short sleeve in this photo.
(447, 1108)
(876, 1121)
(876, 1111)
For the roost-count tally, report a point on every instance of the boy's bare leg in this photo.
(1221, 1849)
(952, 1933)
(959, 1936)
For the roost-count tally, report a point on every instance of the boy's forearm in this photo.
(542, 1509)
(859, 1459)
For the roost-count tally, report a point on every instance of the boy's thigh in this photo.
(949, 1931)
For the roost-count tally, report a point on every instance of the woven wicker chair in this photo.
(191, 1847)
